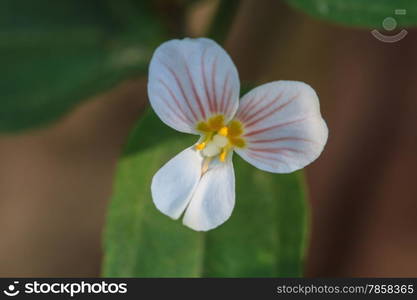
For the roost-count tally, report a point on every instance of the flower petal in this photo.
(174, 183)
(213, 200)
(191, 80)
(283, 127)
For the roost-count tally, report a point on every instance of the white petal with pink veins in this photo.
(191, 80)
(283, 127)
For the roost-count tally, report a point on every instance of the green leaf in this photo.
(54, 54)
(265, 235)
(363, 13)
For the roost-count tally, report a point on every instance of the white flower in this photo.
(194, 88)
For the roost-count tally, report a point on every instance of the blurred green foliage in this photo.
(362, 13)
(55, 54)
(265, 235)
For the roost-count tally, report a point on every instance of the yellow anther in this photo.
(201, 146)
(235, 128)
(222, 156)
(238, 142)
(216, 122)
(223, 131)
(203, 127)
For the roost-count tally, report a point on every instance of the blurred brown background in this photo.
(55, 182)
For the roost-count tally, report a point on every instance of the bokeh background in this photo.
(55, 182)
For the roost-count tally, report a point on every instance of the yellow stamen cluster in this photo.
(219, 138)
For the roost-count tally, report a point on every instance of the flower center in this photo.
(219, 138)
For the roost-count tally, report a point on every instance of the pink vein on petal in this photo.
(243, 115)
(280, 139)
(223, 103)
(265, 107)
(281, 150)
(196, 96)
(262, 130)
(264, 158)
(176, 101)
(181, 89)
(230, 102)
(206, 89)
(213, 82)
(179, 116)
